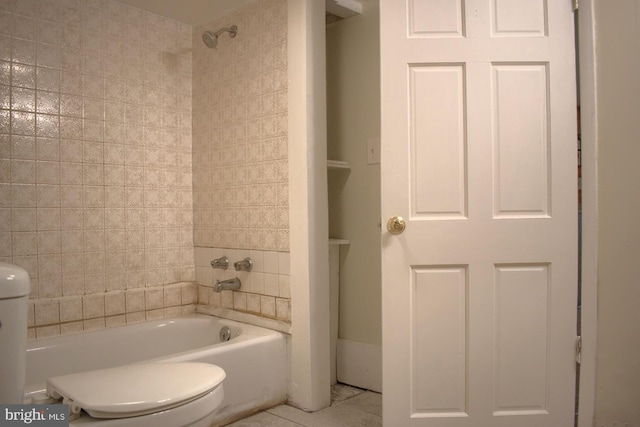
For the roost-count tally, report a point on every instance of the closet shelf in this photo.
(344, 8)
(338, 164)
(333, 241)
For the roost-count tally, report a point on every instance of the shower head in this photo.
(211, 39)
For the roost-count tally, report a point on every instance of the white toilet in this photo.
(141, 395)
(138, 395)
(14, 297)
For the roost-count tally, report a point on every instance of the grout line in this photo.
(284, 418)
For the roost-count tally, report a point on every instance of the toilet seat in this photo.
(135, 390)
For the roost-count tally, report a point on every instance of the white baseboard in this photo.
(359, 365)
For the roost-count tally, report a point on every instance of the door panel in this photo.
(517, 18)
(438, 145)
(478, 155)
(439, 318)
(521, 162)
(521, 339)
(442, 18)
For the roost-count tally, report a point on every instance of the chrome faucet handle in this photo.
(244, 265)
(222, 262)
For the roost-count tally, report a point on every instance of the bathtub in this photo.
(254, 359)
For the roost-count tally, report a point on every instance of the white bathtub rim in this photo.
(245, 318)
(245, 327)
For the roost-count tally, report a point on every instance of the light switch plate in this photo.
(373, 151)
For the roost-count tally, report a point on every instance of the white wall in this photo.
(618, 79)
(353, 108)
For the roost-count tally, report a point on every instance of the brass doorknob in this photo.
(396, 225)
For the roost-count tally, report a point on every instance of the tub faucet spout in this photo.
(227, 285)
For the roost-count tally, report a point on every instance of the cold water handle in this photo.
(244, 265)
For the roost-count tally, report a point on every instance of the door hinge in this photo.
(576, 4)
(579, 350)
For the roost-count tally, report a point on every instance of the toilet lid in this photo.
(133, 390)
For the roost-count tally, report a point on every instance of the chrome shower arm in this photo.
(232, 30)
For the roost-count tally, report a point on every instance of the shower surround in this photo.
(96, 197)
(95, 162)
(240, 167)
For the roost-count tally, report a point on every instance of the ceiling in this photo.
(191, 12)
(194, 12)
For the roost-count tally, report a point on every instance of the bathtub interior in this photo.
(255, 359)
(106, 348)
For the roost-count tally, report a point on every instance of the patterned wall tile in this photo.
(240, 131)
(95, 146)
(97, 131)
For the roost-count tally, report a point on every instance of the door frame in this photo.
(589, 139)
(310, 367)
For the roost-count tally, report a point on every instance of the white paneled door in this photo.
(479, 158)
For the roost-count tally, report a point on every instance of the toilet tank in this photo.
(14, 297)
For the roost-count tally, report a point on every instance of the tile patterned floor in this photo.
(350, 407)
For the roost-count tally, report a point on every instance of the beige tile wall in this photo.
(240, 167)
(95, 161)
